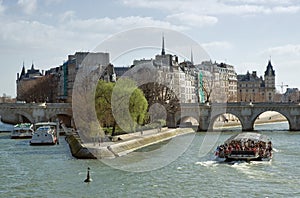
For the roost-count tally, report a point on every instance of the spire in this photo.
(23, 70)
(163, 46)
(192, 60)
(270, 70)
(32, 66)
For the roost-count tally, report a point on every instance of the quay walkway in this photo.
(122, 144)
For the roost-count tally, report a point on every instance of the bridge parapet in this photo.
(246, 112)
(33, 112)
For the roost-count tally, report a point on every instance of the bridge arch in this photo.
(23, 116)
(182, 116)
(64, 118)
(61, 115)
(187, 121)
(215, 117)
(266, 120)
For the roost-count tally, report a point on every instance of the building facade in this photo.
(291, 95)
(252, 88)
(56, 85)
(217, 82)
(180, 78)
(26, 81)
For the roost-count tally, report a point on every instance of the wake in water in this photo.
(207, 163)
(216, 161)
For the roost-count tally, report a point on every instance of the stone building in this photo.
(217, 82)
(26, 81)
(178, 77)
(291, 95)
(56, 85)
(69, 69)
(7, 99)
(252, 88)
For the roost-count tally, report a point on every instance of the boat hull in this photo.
(42, 143)
(248, 159)
(21, 136)
(49, 141)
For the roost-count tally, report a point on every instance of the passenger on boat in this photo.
(258, 147)
(269, 149)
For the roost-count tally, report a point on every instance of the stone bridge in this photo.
(247, 113)
(36, 112)
(205, 114)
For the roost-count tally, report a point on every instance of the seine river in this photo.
(51, 171)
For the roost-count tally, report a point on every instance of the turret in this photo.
(163, 46)
(269, 83)
(19, 77)
(270, 71)
(270, 76)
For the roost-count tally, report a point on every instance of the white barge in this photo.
(45, 134)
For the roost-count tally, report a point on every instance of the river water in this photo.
(51, 171)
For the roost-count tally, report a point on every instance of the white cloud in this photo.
(71, 33)
(217, 7)
(112, 25)
(217, 45)
(28, 6)
(2, 8)
(268, 2)
(289, 49)
(288, 9)
(49, 2)
(192, 19)
(67, 16)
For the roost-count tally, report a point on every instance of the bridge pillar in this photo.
(204, 122)
(248, 128)
(247, 124)
(171, 122)
(295, 123)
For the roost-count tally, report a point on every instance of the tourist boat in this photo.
(22, 130)
(245, 147)
(45, 134)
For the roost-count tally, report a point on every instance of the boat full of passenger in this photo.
(245, 146)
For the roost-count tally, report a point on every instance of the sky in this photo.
(243, 33)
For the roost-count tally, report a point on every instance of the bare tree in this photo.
(42, 89)
(207, 85)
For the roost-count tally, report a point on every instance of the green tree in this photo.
(113, 100)
(138, 106)
(103, 103)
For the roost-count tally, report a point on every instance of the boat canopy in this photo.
(243, 137)
(45, 124)
(23, 125)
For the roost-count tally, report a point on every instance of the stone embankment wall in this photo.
(77, 148)
(119, 148)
